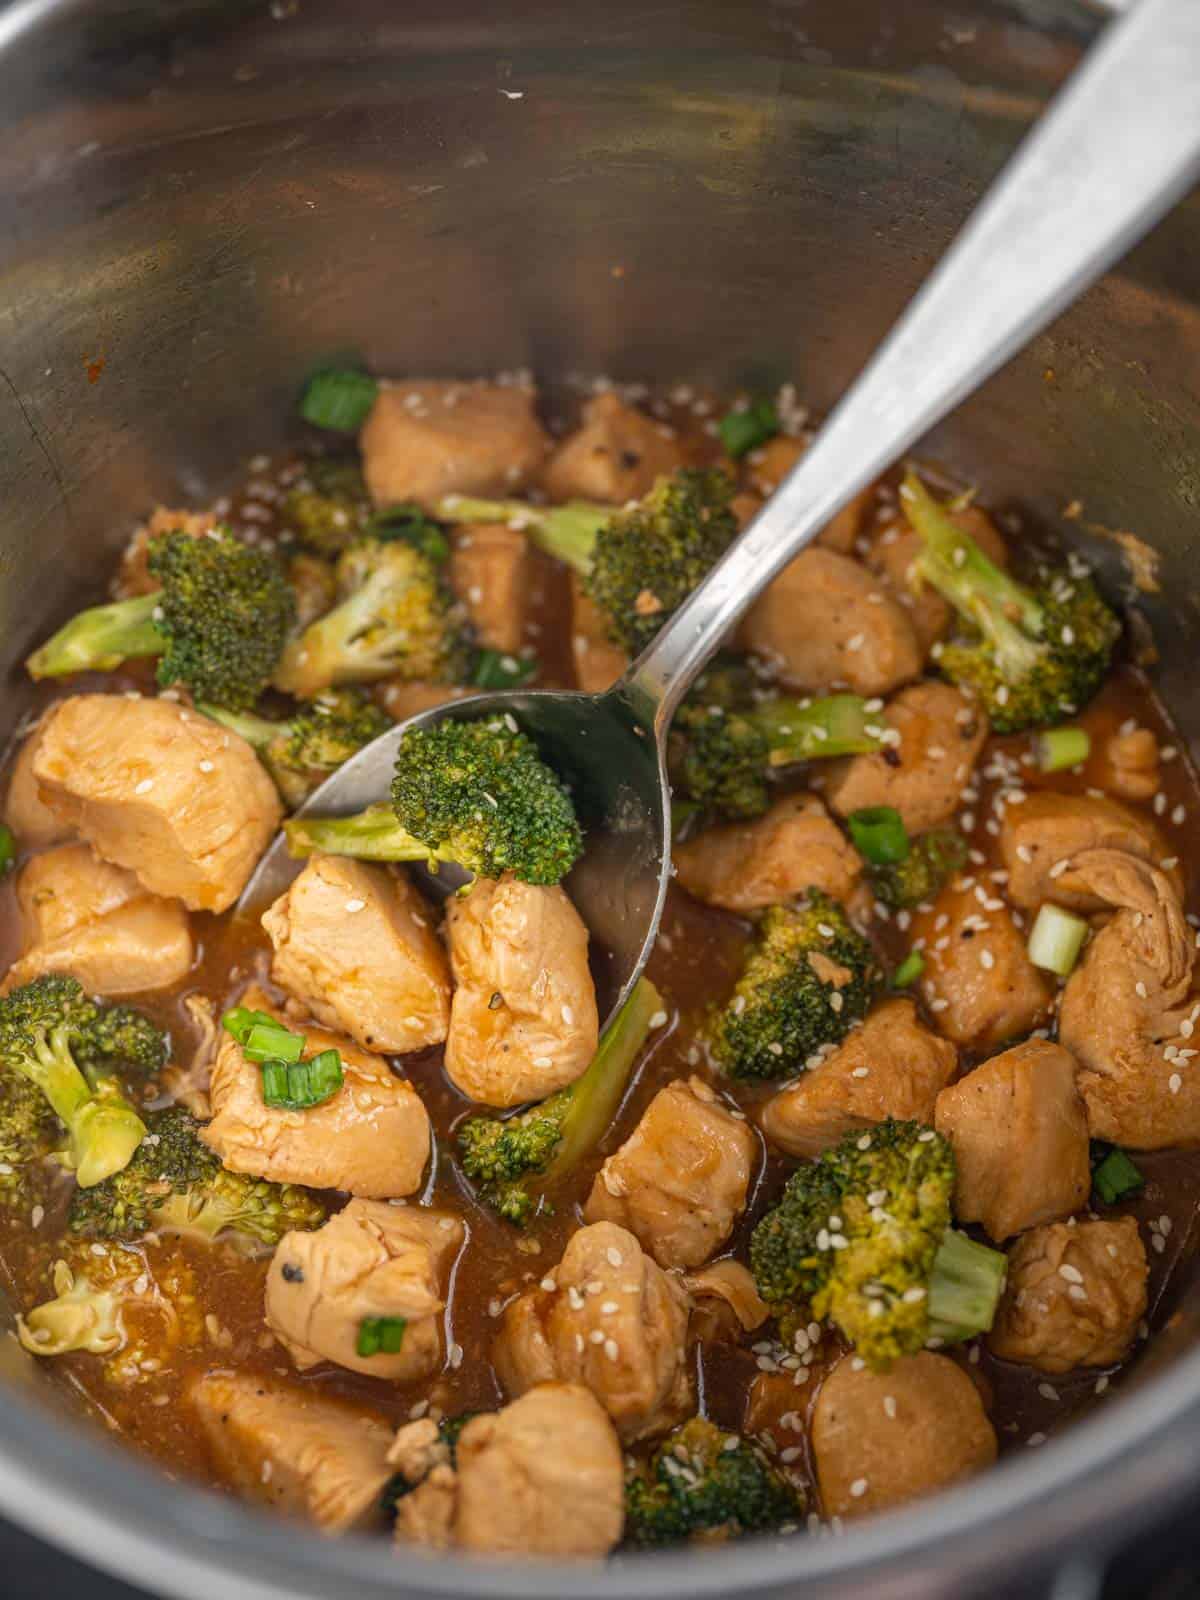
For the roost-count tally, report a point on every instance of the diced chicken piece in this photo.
(1074, 1296)
(892, 1066)
(770, 465)
(133, 575)
(370, 1260)
(300, 1453)
(894, 546)
(1047, 829)
(1130, 766)
(978, 981)
(83, 916)
(1126, 1014)
(523, 1020)
(402, 699)
(924, 774)
(790, 849)
(614, 1322)
(598, 662)
(882, 1439)
(356, 945)
(184, 804)
(615, 455)
(679, 1182)
(26, 813)
(826, 620)
(1020, 1140)
(727, 1302)
(490, 572)
(431, 438)
(542, 1477)
(370, 1138)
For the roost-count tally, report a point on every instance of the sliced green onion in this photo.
(8, 850)
(338, 400)
(1056, 939)
(496, 669)
(272, 1042)
(1116, 1176)
(240, 1020)
(909, 970)
(879, 835)
(408, 522)
(380, 1336)
(300, 1085)
(742, 431)
(1059, 748)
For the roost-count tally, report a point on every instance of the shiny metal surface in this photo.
(200, 199)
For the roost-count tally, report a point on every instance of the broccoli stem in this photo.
(838, 725)
(371, 835)
(104, 1129)
(567, 532)
(100, 639)
(964, 1287)
(258, 732)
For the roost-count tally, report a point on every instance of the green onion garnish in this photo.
(496, 669)
(742, 431)
(1115, 1177)
(338, 400)
(380, 1336)
(879, 835)
(272, 1042)
(8, 849)
(909, 970)
(1056, 939)
(240, 1020)
(408, 522)
(300, 1085)
(1059, 748)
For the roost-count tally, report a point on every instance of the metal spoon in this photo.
(1119, 145)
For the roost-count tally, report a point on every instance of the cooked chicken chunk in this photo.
(431, 438)
(615, 1322)
(81, 915)
(826, 620)
(181, 802)
(616, 455)
(523, 1019)
(296, 1451)
(1074, 1296)
(1130, 764)
(370, 1260)
(371, 1138)
(1125, 1014)
(26, 813)
(892, 1066)
(790, 849)
(356, 945)
(133, 575)
(882, 1439)
(894, 546)
(1020, 1140)
(923, 776)
(598, 662)
(402, 699)
(679, 1182)
(543, 1476)
(1048, 828)
(978, 979)
(490, 571)
(770, 465)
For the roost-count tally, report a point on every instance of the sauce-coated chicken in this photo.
(490, 570)
(615, 455)
(26, 813)
(792, 848)
(1048, 829)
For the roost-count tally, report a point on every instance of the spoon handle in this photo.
(1119, 145)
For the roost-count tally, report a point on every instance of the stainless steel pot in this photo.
(201, 198)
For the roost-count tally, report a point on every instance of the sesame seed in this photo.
(205, 766)
(615, 1258)
(859, 1488)
(1070, 1273)
(987, 960)
(1174, 1083)
(659, 1019)
(356, 905)
(611, 1349)
(144, 787)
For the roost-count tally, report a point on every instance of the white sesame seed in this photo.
(859, 1488)
(356, 905)
(659, 1019)
(144, 787)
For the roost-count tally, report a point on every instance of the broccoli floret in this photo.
(29, 1132)
(862, 1236)
(1035, 656)
(301, 752)
(512, 1160)
(395, 617)
(117, 1039)
(175, 1184)
(638, 564)
(329, 508)
(933, 859)
(808, 977)
(217, 623)
(52, 1035)
(475, 794)
(704, 1482)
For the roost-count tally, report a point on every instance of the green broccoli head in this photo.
(498, 1155)
(808, 976)
(933, 859)
(117, 1039)
(328, 509)
(301, 752)
(702, 1482)
(29, 1132)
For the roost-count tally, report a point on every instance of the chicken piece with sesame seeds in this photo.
(937, 733)
(1131, 764)
(767, 467)
(891, 1066)
(523, 1019)
(355, 944)
(894, 546)
(882, 1439)
(598, 661)
(25, 812)
(491, 570)
(1074, 1297)
(680, 1181)
(979, 983)
(613, 1321)
(1127, 1014)
(1048, 829)
(429, 438)
(181, 802)
(371, 1261)
(1020, 1137)
(616, 454)
(792, 848)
